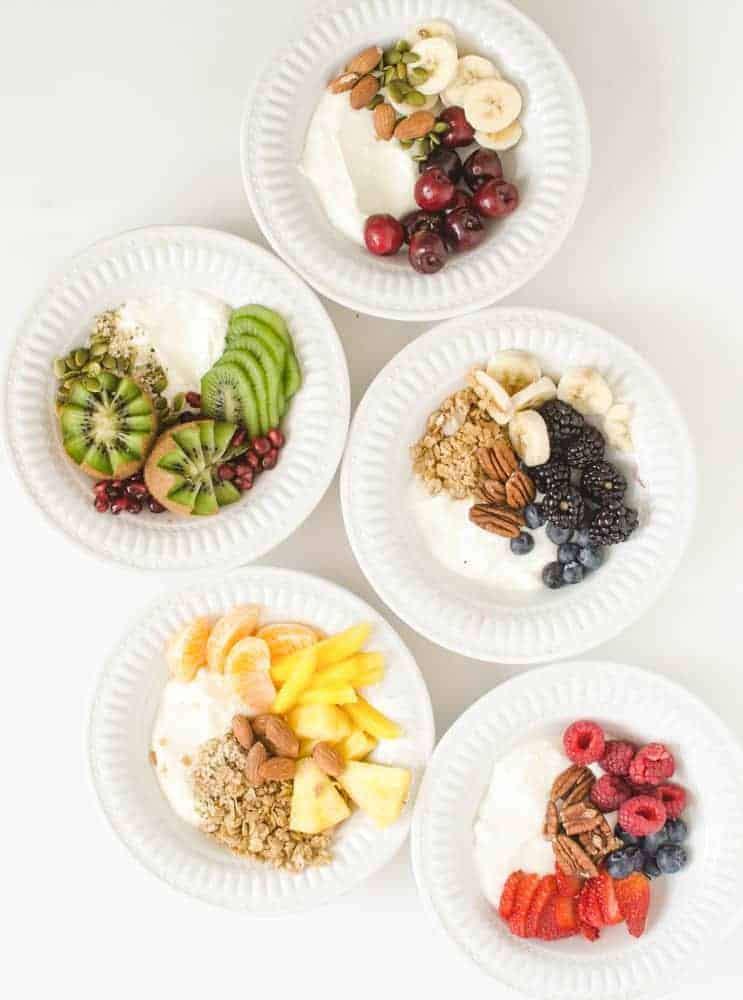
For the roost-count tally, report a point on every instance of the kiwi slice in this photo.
(181, 471)
(292, 373)
(257, 377)
(107, 432)
(227, 394)
(273, 371)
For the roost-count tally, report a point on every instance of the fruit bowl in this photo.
(466, 615)
(550, 165)
(688, 912)
(137, 264)
(124, 708)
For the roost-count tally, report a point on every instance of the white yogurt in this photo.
(479, 555)
(184, 329)
(354, 173)
(508, 829)
(189, 714)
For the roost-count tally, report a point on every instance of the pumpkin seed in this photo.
(81, 356)
(92, 368)
(109, 362)
(91, 384)
(410, 57)
(179, 401)
(389, 75)
(415, 99)
(403, 45)
(98, 349)
(125, 365)
(402, 71)
(71, 363)
(441, 127)
(375, 102)
(433, 139)
(407, 143)
(417, 74)
(420, 157)
(396, 92)
(60, 367)
(392, 57)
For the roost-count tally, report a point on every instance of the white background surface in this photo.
(119, 115)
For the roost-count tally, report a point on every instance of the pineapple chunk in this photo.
(319, 722)
(365, 717)
(299, 678)
(340, 673)
(377, 789)
(329, 651)
(356, 746)
(316, 804)
(341, 694)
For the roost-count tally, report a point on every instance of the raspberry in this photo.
(651, 765)
(609, 792)
(583, 742)
(617, 757)
(642, 815)
(673, 798)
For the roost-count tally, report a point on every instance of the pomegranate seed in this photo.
(155, 507)
(134, 507)
(241, 469)
(226, 471)
(239, 437)
(270, 460)
(138, 477)
(276, 437)
(261, 446)
(194, 399)
(101, 488)
(116, 484)
(136, 489)
(252, 459)
(246, 484)
(119, 504)
(101, 504)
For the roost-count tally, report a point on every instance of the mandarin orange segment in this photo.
(255, 689)
(287, 637)
(185, 652)
(248, 654)
(230, 628)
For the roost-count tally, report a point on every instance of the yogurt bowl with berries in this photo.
(435, 139)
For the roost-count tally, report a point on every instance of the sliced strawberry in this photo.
(559, 919)
(547, 888)
(524, 893)
(633, 898)
(568, 885)
(607, 899)
(589, 933)
(589, 907)
(508, 895)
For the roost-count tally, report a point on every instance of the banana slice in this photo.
(500, 141)
(514, 369)
(532, 396)
(431, 29)
(438, 56)
(529, 437)
(402, 108)
(470, 69)
(617, 427)
(491, 105)
(586, 390)
(498, 402)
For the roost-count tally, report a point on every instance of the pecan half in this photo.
(579, 818)
(520, 489)
(573, 785)
(491, 491)
(551, 822)
(499, 461)
(600, 841)
(572, 858)
(499, 520)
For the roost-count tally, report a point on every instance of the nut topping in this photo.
(257, 757)
(499, 520)
(279, 738)
(243, 731)
(278, 769)
(363, 92)
(579, 818)
(328, 759)
(520, 489)
(498, 462)
(573, 785)
(491, 491)
(342, 83)
(572, 858)
(551, 822)
(600, 841)
(415, 126)
(384, 121)
(365, 61)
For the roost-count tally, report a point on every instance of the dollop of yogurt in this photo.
(354, 173)
(188, 715)
(479, 555)
(508, 828)
(184, 329)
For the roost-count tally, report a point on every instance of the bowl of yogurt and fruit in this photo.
(419, 161)
(174, 402)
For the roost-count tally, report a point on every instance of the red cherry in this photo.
(482, 165)
(418, 220)
(494, 199)
(383, 235)
(461, 200)
(427, 253)
(464, 229)
(434, 191)
(446, 160)
(460, 131)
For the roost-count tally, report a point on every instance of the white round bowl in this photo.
(137, 263)
(689, 911)
(468, 617)
(121, 723)
(550, 165)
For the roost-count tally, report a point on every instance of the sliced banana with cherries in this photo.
(436, 28)
(503, 140)
(438, 57)
(491, 105)
(470, 69)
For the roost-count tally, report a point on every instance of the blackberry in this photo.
(601, 481)
(613, 523)
(563, 507)
(588, 447)
(551, 475)
(563, 422)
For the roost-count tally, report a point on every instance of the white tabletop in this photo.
(120, 115)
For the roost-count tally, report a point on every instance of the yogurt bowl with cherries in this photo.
(451, 139)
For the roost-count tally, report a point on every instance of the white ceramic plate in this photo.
(688, 912)
(238, 272)
(550, 165)
(121, 724)
(469, 617)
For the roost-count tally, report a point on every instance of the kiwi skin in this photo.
(160, 481)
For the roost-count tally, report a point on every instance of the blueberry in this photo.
(590, 557)
(580, 537)
(567, 552)
(628, 838)
(671, 858)
(653, 841)
(533, 515)
(522, 544)
(558, 535)
(572, 572)
(624, 861)
(676, 831)
(651, 868)
(552, 575)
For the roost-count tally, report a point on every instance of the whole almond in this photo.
(259, 724)
(257, 757)
(278, 769)
(384, 121)
(415, 126)
(243, 731)
(328, 759)
(342, 83)
(365, 61)
(278, 737)
(363, 92)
